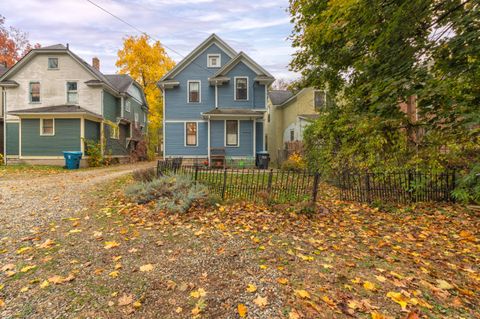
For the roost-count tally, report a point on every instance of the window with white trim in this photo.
(193, 91)
(231, 131)
(191, 133)
(114, 132)
(47, 127)
(34, 92)
(128, 105)
(320, 99)
(292, 135)
(72, 92)
(52, 63)
(214, 61)
(241, 89)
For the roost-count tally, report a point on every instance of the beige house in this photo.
(287, 117)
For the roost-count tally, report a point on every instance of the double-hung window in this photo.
(191, 134)
(231, 131)
(34, 92)
(47, 127)
(320, 100)
(241, 89)
(193, 91)
(128, 105)
(114, 131)
(72, 93)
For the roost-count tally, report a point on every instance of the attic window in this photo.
(52, 63)
(320, 99)
(213, 61)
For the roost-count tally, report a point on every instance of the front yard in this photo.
(117, 260)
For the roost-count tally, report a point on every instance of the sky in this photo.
(259, 28)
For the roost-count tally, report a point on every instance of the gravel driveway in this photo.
(26, 202)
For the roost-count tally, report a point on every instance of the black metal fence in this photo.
(396, 187)
(250, 184)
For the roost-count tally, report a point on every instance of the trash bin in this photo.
(262, 159)
(72, 159)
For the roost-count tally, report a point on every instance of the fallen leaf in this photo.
(44, 284)
(260, 301)
(251, 288)
(114, 274)
(398, 298)
(302, 293)
(125, 300)
(2, 304)
(111, 244)
(242, 310)
(146, 268)
(369, 286)
(282, 281)
(442, 284)
(27, 268)
(198, 293)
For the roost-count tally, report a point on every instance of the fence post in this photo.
(224, 182)
(410, 189)
(269, 186)
(196, 173)
(158, 168)
(367, 184)
(316, 181)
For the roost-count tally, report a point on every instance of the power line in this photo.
(143, 32)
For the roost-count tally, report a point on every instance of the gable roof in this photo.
(120, 81)
(243, 57)
(212, 39)
(277, 97)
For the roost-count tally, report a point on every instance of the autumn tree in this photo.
(14, 44)
(146, 61)
(376, 54)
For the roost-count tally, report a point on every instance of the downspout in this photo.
(4, 109)
(208, 139)
(216, 95)
(163, 122)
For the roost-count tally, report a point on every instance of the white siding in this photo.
(52, 84)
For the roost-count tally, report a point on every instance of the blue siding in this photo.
(256, 92)
(259, 137)
(176, 106)
(245, 147)
(175, 140)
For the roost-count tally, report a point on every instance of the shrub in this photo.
(295, 162)
(145, 175)
(93, 150)
(172, 193)
(468, 189)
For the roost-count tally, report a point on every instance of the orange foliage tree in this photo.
(147, 61)
(14, 44)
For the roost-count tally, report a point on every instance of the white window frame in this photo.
(30, 92)
(41, 127)
(114, 132)
(324, 92)
(185, 134)
(219, 60)
(235, 88)
(199, 91)
(128, 104)
(238, 134)
(48, 63)
(66, 89)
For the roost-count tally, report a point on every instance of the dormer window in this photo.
(213, 61)
(52, 63)
(241, 88)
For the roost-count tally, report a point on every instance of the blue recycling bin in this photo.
(72, 159)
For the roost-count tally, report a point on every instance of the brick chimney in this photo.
(96, 63)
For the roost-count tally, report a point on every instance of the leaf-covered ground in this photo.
(118, 260)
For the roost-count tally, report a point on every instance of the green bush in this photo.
(172, 193)
(93, 150)
(468, 189)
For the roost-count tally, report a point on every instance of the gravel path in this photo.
(26, 202)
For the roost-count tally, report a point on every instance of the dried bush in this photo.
(145, 175)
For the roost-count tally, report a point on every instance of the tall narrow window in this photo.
(35, 92)
(231, 132)
(127, 105)
(241, 89)
(47, 127)
(320, 100)
(191, 134)
(292, 135)
(194, 91)
(52, 63)
(72, 93)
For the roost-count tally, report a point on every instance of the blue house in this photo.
(214, 102)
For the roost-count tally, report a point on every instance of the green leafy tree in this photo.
(374, 54)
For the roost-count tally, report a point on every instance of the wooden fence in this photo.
(250, 184)
(396, 187)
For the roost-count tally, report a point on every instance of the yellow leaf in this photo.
(114, 274)
(178, 310)
(381, 278)
(47, 243)
(328, 301)
(369, 286)
(137, 304)
(398, 298)
(2, 304)
(356, 280)
(263, 267)
(251, 288)
(442, 284)
(260, 301)
(282, 281)
(23, 250)
(44, 284)
(302, 293)
(378, 315)
(111, 244)
(242, 310)
(27, 268)
(147, 267)
(293, 314)
(198, 293)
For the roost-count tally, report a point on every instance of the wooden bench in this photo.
(217, 157)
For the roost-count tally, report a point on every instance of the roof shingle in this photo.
(279, 96)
